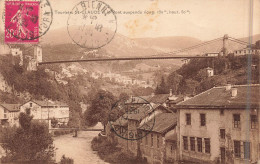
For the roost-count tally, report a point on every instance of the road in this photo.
(77, 148)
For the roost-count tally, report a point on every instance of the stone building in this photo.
(9, 114)
(153, 144)
(19, 53)
(34, 60)
(171, 146)
(221, 124)
(246, 51)
(46, 110)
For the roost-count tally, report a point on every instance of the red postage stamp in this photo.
(22, 22)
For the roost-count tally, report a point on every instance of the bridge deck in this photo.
(124, 58)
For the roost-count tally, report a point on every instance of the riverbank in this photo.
(111, 153)
(77, 148)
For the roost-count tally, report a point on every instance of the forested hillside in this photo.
(192, 78)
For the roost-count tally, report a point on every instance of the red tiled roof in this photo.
(161, 123)
(220, 97)
(11, 107)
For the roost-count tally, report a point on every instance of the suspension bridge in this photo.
(163, 56)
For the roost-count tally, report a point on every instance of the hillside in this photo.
(192, 78)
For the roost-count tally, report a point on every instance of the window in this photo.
(202, 119)
(253, 121)
(222, 133)
(28, 111)
(236, 118)
(192, 143)
(246, 150)
(172, 148)
(30, 104)
(185, 143)
(158, 141)
(188, 119)
(146, 140)
(237, 149)
(199, 144)
(221, 111)
(151, 140)
(207, 145)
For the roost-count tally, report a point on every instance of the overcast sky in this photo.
(208, 19)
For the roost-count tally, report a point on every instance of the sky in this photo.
(203, 19)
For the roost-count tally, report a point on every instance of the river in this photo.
(77, 148)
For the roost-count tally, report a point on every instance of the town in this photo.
(219, 124)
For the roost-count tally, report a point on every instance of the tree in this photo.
(162, 88)
(173, 81)
(124, 96)
(30, 142)
(54, 122)
(25, 120)
(100, 108)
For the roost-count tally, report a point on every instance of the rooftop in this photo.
(162, 122)
(220, 97)
(159, 99)
(11, 107)
(138, 100)
(49, 103)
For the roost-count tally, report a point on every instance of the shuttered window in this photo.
(237, 149)
(253, 121)
(207, 145)
(192, 143)
(185, 142)
(199, 144)
(202, 119)
(236, 118)
(188, 119)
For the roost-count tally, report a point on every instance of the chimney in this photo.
(170, 92)
(228, 87)
(234, 92)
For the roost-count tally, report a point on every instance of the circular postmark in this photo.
(27, 21)
(92, 24)
(135, 122)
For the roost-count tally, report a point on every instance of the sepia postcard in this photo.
(129, 82)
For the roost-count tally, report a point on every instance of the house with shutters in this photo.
(9, 114)
(47, 110)
(221, 124)
(153, 146)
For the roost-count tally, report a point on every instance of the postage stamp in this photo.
(141, 119)
(21, 21)
(92, 24)
(40, 27)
